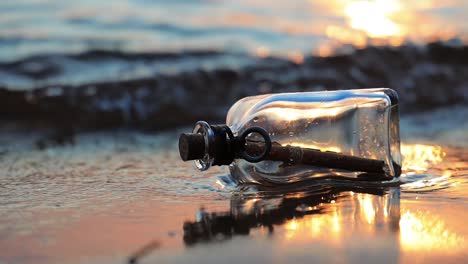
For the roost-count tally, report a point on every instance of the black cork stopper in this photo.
(191, 146)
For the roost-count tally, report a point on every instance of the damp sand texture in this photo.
(115, 197)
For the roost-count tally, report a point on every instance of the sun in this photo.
(373, 17)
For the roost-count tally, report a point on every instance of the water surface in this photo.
(291, 29)
(125, 195)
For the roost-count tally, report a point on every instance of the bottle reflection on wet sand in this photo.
(328, 213)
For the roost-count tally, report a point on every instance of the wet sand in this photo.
(114, 197)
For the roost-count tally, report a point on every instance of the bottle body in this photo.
(361, 123)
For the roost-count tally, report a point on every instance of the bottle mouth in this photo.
(191, 146)
(216, 145)
(196, 145)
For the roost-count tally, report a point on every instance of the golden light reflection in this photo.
(296, 195)
(419, 157)
(312, 146)
(291, 225)
(315, 226)
(384, 22)
(419, 231)
(296, 56)
(344, 35)
(325, 50)
(373, 17)
(369, 211)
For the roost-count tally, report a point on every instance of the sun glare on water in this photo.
(419, 157)
(368, 22)
(373, 17)
(423, 231)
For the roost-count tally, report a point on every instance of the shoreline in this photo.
(429, 77)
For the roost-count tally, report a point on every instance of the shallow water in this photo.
(291, 29)
(113, 197)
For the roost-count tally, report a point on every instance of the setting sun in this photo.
(372, 17)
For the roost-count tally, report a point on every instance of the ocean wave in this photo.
(103, 89)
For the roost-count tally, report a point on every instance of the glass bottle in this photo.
(356, 126)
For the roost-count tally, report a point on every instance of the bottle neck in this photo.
(216, 145)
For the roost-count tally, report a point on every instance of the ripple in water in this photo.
(426, 168)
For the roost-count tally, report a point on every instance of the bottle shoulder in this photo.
(249, 106)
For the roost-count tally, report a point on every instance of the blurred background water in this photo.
(93, 95)
(292, 29)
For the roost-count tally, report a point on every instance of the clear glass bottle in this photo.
(357, 123)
